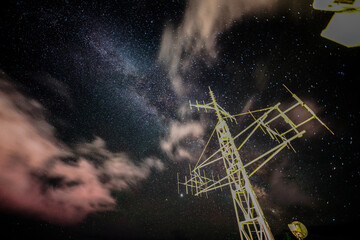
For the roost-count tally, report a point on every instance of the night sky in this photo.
(95, 122)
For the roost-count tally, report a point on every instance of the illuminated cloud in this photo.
(117, 168)
(41, 176)
(300, 114)
(286, 192)
(178, 145)
(196, 36)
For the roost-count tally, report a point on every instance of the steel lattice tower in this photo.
(249, 215)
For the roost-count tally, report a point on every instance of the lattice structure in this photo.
(249, 215)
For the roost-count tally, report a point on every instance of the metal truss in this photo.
(249, 215)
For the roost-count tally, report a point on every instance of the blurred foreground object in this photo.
(298, 229)
(344, 26)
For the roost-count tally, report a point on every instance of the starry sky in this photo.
(95, 122)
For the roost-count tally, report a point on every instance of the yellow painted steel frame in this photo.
(249, 215)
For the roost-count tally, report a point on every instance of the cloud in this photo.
(118, 169)
(195, 38)
(178, 144)
(56, 87)
(301, 114)
(281, 190)
(279, 194)
(287, 193)
(41, 176)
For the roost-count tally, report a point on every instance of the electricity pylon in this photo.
(249, 215)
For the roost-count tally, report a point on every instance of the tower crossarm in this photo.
(201, 106)
(221, 113)
(314, 116)
(200, 184)
(271, 153)
(235, 171)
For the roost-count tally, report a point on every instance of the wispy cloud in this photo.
(118, 169)
(41, 176)
(183, 140)
(195, 38)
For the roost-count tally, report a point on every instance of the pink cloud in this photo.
(178, 145)
(36, 180)
(300, 114)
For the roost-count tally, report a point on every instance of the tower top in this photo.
(214, 103)
(249, 215)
